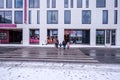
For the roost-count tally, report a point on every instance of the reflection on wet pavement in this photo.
(103, 54)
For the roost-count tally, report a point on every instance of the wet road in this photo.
(103, 55)
(84, 55)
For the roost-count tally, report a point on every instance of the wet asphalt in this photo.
(75, 55)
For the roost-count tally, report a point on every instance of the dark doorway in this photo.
(15, 36)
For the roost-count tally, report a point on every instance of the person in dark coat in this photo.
(64, 44)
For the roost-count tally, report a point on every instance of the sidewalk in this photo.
(74, 55)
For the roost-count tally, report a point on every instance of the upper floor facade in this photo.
(60, 12)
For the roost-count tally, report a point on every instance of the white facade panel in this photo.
(76, 20)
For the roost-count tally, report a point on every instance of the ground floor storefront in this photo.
(36, 36)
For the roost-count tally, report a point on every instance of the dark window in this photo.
(67, 17)
(86, 17)
(38, 17)
(18, 17)
(1, 3)
(53, 3)
(71, 3)
(113, 36)
(66, 3)
(30, 17)
(76, 36)
(116, 3)
(87, 3)
(79, 3)
(48, 3)
(52, 17)
(108, 36)
(115, 16)
(105, 16)
(100, 37)
(5, 16)
(34, 3)
(18, 3)
(100, 3)
(8, 3)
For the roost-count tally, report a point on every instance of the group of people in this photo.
(64, 44)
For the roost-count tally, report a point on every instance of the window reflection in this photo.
(105, 16)
(18, 17)
(8, 3)
(52, 17)
(100, 3)
(34, 3)
(79, 3)
(1, 3)
(18, 3)
(34, 36)
(5, 16)
(52, 36)
(100, 37)
(86, 17)
(67, 17)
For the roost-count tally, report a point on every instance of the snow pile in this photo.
(58, 71)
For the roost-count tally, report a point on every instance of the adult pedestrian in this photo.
(64, 44)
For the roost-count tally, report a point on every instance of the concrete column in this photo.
(43, 36)
(61, 34)
(25, 36)
(117, 37)
(92, 37)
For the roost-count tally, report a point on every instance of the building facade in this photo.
(81, 22)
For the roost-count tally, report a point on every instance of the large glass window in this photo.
(67, 17)
(115, 16)
(86, 17)
(18, 17)
(100, 3)
(8, 3)
(87, 3)
(34, 3)
(105, 17)
(66, 3)
(77, 36)
(34, 36)
(52, 17)
(18, 3)
(5, 16)
(79, 3)
(30, 17)
(38, 17)
(115, 3)
(52, 36)
(100, 37)
(1, 3)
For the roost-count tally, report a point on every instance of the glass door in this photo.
(110, 37)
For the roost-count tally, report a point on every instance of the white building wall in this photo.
(76, 20)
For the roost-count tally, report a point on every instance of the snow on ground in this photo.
(58, 71)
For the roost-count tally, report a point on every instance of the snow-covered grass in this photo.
(58, 71)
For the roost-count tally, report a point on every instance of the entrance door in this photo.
(110, 37)
(15, 36)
